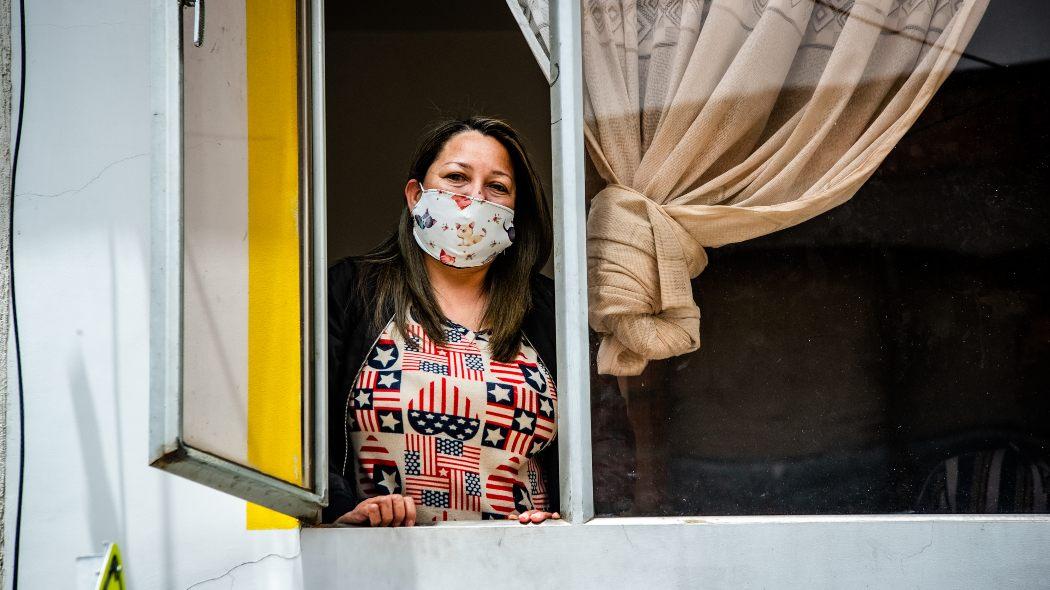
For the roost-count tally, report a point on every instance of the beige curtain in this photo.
(718, 121)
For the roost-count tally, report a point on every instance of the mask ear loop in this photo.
(436, 190)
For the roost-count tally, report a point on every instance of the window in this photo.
(884, 356)
(835, 292)
(237, 271)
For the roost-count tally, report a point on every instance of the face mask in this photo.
(461, 231)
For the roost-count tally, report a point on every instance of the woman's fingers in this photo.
(534, 516)
(386, 513)
(355, 516)
(397, 505)
(410, 510)
(373, 514)
(392, 510)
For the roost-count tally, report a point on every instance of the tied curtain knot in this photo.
(640, 262)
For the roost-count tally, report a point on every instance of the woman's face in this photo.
(470, 164)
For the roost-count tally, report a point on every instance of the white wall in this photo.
(82, 260)
(82, 243)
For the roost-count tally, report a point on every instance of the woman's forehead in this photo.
(476, 151)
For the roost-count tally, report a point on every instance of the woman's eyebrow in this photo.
(469, 167)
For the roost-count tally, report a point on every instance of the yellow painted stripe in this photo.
(274, 371)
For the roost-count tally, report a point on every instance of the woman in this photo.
(441, 345)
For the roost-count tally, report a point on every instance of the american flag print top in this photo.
(449, 426)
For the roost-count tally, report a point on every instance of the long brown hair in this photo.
(396, 272)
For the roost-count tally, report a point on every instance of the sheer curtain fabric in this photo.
(718, 121)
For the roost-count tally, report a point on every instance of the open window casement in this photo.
(237, 312)
(237, 350)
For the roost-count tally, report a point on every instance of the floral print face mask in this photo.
(461, 231)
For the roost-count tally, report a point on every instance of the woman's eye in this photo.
(499, 188)
(455, 176)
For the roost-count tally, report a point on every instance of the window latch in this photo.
(198, 20)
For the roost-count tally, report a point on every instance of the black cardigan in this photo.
(350, 336)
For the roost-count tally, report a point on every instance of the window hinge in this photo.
(198, 20)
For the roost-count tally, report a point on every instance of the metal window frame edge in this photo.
(570, 263)
(167, 449)
(319, 258)
(244, 482)
(815, 519)
(574, 420)
(723, 552)
(165, 231)
(542, 59)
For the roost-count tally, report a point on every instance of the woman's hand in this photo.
(392, 510)
(534, 516)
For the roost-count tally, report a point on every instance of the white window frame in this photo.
(168, 447)
(579, 551)
(892, 551)
(570, 263)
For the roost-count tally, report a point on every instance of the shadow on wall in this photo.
(105, 522)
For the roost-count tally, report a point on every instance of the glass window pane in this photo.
(870, 330)
(244, 234)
